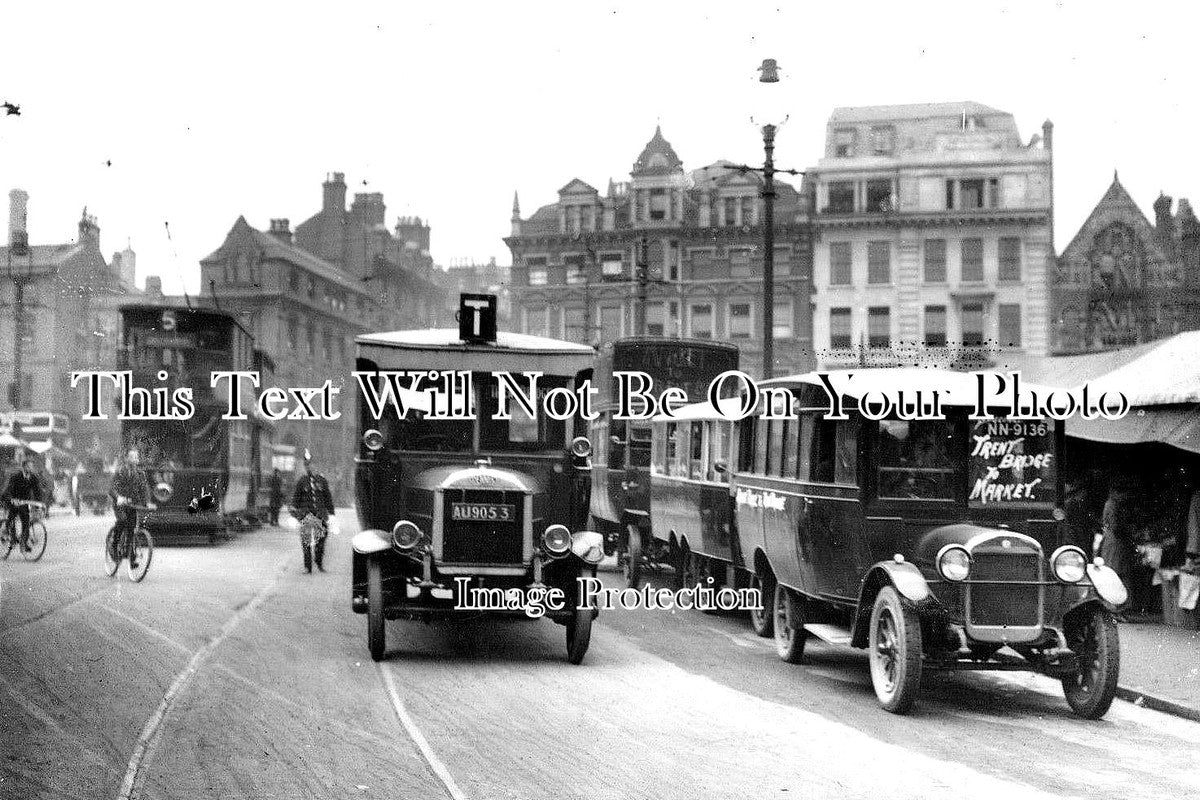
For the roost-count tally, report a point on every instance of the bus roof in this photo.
(441, 348)
(958, 388)
(730, 406)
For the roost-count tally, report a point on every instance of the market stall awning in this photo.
(1178, 426)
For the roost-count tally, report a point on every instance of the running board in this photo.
(832, 634)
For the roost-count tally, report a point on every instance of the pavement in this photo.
(230, 673)
(1160, 668)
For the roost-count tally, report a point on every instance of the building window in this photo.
(1010, 325)
(840, 269)
(840, 333)
(935, 326)
(673, 258)
(782, 321)
(739, 262)
(702, 257)
(748, 215)
(843, 143)
(783, 259)
(1010, 258)
(879, 326)
(972, 324)
(731, 206)
(741, 321)
(610, 323)
(327, 346)
(538, 274)
(656, 315)
(310, 340)
(701, 321)
(879, 262)
(612, 266)
(879, 196)
(537, 321)
(841, 197)
(935, 260)
(883, 140)
(660, 204)
(575, 325)
(294, 281)
(576, 269)
(973, 193)
(972, 260)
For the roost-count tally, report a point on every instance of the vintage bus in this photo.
(936, 544)
(205, 461)
(448, 506)
(620, 493)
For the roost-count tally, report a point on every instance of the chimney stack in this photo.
(368, 208)
(335, 192)
(281, 229)
(89, 228)
(18, 234)
(154, 285)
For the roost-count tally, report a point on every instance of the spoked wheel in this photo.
(140, 555)
(895, 652)
(685, 567)
(789, 625)
(376, 635)
(35, 544)
(705, 569)
(1091, 634)
(762, 619)
(632, 566)
(7, 539)
(579, 635)
(112, 559)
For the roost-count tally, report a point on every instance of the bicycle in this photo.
(34, 545)
(135, 546)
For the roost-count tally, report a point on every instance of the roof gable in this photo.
(1115, 206)
(576, 186)
(657, 158)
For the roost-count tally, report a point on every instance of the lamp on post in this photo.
(768, 75)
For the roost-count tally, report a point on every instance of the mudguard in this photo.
(371, 541)
(588, 546)
(907, 579)
(1107, 584)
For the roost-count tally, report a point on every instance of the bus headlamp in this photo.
(372, 440)
(954, 563)
(163, 492)
(1069, 564)
(406, 535)
(581, 447)
(557, 540)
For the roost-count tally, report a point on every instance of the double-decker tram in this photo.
(203, 461)
(935, 543)
(482, 507)
(620, 495)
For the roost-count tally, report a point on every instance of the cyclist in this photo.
(129, 488)
(22, 485)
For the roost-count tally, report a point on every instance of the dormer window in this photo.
(660, 203)
(883, 140)
(843, 143)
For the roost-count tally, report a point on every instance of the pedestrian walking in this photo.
(312, 496)
(275, 495)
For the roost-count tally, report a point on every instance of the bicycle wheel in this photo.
(111, 561)
(7, 540)
(35, 545)
(140, 553)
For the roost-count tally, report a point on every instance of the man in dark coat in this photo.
(275, 495)
(129, 488)
(312, 496)
(22, 485)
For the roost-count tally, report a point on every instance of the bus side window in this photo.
(658, 450)
(846, 469)
(696, 456)
(762, 431)
(616, 443)
(671, 442)
(746, 440)
(718, 442)
(639, 445)
(775, 446)
(804, 438)
(824, 450)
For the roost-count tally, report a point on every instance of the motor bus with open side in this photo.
(620, 495)
(936, 544)
(482, 502)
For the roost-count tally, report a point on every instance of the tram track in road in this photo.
(148, 739)
(435, 764)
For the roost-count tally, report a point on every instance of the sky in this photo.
(168, 121)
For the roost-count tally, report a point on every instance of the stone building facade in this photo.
(934, 238)
(574, 273)
(1123, 281)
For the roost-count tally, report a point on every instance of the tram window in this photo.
(670, 447)
(639, 446)
(761, 432)
(791, 448)
(823, 451)
(718, 442)
(746, 440)
(679, 449)
(696, 454)
(914, 459)
(775, 437)
(658, 451)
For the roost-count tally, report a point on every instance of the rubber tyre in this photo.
(110, 564)
(7, 540)
(376, 634)
(685, 567)
(37, 542)
(788, 624)
(763, 621)
(579, 635)
(1091, 634)
(143, 545)
(632, 565)
(894, 651)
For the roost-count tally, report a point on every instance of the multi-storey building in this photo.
(1122, 281)
(933, 230)
(305, 309)
(59, 315)
(491, 278)
(574, 271)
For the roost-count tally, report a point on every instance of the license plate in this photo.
(482, 512)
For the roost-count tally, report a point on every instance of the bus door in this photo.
(636, 480)
(833, 510)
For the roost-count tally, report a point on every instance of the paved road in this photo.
(230, 673)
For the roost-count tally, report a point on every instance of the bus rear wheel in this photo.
(632, 566)
(376, 635)
(762, 618)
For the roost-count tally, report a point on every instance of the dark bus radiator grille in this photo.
(483, 542)
(1005, 604)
